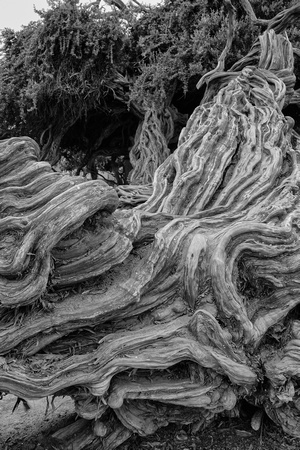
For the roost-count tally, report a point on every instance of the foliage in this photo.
(15, 106)
(79, 61)
(63, 67)
(175, 41)
(180, 41)
(267, 10)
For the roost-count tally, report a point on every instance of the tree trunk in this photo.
(150, 147)
(175, 310)
(54, 135)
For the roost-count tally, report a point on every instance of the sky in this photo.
(15, 13)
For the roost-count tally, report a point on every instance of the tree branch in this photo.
(221, 61)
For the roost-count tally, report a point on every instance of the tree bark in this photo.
(50, 149)
(174, 310)
(150, 147)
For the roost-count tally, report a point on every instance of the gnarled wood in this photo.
(161, 313)
(150, 147)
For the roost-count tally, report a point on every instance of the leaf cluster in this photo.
(79, 60)
(61, 66)
(180, 41)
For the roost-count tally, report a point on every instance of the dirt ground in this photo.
(28, 430)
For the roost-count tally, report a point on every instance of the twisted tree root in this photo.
(176, 309)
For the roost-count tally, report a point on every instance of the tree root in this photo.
(176, 309)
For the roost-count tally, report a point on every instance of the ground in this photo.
(28, 430)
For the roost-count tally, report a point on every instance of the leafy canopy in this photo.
(78, 62)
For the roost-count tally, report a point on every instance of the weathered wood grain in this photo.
(175, 309)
